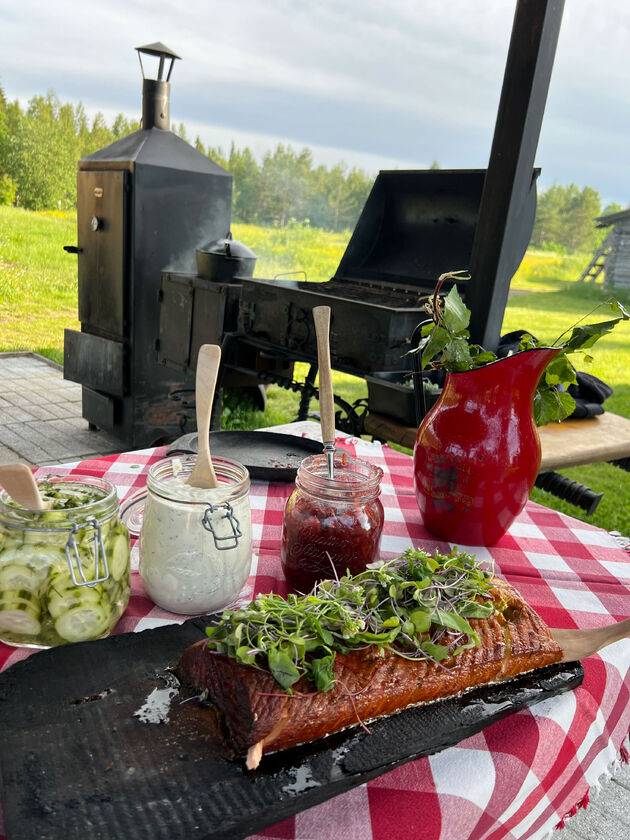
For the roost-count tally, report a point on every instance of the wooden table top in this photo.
(567, 444)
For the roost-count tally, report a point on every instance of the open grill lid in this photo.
(418, 224)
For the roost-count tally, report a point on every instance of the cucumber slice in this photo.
(82, 623)
(19, 577)
(24, 604)
(18, 617)
(19, 595)
(118, 556)
(78, 596)
(61, 585)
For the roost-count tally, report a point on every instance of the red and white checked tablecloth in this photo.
(520, 776)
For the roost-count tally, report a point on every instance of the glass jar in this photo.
(331, 523)
(64, 571)
(195, 544)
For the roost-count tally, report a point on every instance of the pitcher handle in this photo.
(418, 384)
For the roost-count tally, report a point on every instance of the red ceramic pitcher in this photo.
(477, 452)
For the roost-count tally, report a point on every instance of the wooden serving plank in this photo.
(77, 762)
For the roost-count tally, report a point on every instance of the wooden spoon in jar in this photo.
(20, 484)
(321, 317)
(208, 362)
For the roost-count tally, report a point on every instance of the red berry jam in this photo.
(331, 527)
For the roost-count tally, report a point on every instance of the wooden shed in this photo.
(613, 256)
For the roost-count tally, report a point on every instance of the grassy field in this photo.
(38, 299)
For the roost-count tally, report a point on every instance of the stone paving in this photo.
(40, 415)
(41, 423)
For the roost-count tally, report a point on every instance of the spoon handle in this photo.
(321, 317)
(208, 361)
(577, 644)
(19, 483)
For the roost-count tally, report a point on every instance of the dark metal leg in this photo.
(305, 396)
(511, 166)
(571, 491)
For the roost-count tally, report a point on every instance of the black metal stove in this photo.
(144, 203)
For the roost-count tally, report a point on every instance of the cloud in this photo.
(405, 81)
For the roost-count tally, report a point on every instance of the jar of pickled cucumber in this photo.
(64, 571)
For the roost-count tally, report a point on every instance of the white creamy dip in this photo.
(183, 567)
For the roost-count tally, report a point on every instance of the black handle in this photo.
(72, 249)
(418, 384)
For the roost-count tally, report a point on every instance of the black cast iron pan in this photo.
(269, 456)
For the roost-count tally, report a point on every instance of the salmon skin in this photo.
(261, 717)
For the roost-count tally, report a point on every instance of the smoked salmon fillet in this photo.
(369, 683)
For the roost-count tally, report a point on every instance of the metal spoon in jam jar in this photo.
(321, 317)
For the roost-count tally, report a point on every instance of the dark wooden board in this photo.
(77, 762)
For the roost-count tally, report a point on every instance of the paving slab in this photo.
(40, 415)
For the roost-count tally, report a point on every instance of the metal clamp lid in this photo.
(74, 561)
(222, 543)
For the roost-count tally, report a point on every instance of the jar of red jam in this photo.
(331, 522)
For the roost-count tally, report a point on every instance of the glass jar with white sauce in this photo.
(195, 543)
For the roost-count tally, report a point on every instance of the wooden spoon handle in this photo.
(18, 481)
(321, 317)
(577, 644)
(208, 361)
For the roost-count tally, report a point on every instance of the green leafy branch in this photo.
(444, 343)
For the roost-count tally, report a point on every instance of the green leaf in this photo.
(456, 354)
(482, 358)
(473, 609)
(282, 668)
(452, 621)
(617, 307)
(322, 672)
(551, 405)
(244, 656)
(421, 621)
(434, 345)
(587, 334)
(438, 652)
(394, 621)
(560, 371)
(456, 316)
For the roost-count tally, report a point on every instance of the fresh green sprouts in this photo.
(418, 606)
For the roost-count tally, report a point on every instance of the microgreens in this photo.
(418, 606)
(444, 344)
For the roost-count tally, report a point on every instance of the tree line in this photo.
(40, 147)
(41, 144)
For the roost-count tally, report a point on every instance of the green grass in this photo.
(38, 281)
(38, 299)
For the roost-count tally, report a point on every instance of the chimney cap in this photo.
(159, 49)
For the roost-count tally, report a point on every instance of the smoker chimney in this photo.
(155, 92)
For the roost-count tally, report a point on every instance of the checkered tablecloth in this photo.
(519, 777)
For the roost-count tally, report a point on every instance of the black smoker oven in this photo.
(144, 203)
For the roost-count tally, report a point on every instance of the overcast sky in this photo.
(373, 84)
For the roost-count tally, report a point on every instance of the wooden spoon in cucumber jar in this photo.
(208, 361)
(20, 484)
